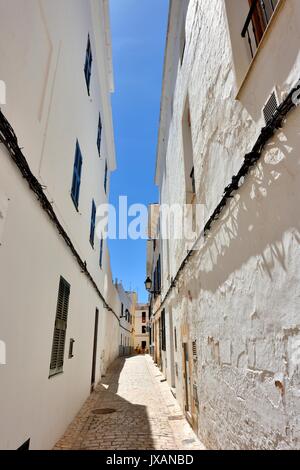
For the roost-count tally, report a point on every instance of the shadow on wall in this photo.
(124, 426)
(245, 283)
(264, 209)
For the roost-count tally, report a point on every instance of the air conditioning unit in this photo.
(270, 106)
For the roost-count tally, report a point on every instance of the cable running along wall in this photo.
(250, 159)
(9, 140)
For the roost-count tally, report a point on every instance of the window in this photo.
(76, 175)
(144, 329)
(192, 176)
(143, 317)
(157, 278)
(158, 275)
(257, 20)
(105, 177)
(99, 135)
(182, 43)
(163, 330)
(101, 253)
(122, 310)
(60, 327)
(175, 339)
(88, 64)
(188, 154)
(93, 223)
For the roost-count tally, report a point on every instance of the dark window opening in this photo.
(143, 317)
(76, 175)
(192, 176)
(188, 154)
(144, 330)
(105, 177)
(88, 64)
(101, 253)
(93, 224)
(157, 278)
(99, 135)
(71, 348)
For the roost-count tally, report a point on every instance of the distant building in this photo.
(141, 327)
(127, 306)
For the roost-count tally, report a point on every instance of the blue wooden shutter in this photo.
(76, 175)
(105, 177)
(88, 64)
(60, 328)
(93, 223)
(101, 252)
(99, 135)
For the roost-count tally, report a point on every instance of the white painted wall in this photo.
(126, 326)
(42, 48)
(239, 297)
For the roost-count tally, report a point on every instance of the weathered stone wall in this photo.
(240, 294)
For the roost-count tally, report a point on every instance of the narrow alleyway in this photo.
(141, 413)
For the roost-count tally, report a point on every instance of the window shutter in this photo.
(93, 223)
(105, 177)
(88, 64)
(76, 175)
(99, 135)
(158, 275)
(101, 253)
(60, 328)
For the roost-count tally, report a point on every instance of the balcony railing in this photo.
(257, 20)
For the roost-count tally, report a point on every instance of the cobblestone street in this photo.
(144, 416)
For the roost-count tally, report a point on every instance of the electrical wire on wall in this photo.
(9, 139)
(250, 159)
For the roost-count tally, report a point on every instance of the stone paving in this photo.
(146, 416)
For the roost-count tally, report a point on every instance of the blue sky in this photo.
(138, 39)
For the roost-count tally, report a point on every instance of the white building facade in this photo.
(141, 328)
(59, 309)
(126, 320)
(231, 308)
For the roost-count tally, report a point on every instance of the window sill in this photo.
(260, 47)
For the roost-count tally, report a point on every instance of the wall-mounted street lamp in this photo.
(148, 285)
